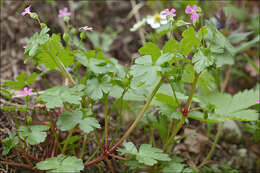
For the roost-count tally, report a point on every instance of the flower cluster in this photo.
(86, 28)
(26, 92)
(26, 11)
(166, 15)
(64, 12)
(193, 11)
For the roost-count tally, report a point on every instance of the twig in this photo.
(18, 165)
(227, 76)
(137, 18)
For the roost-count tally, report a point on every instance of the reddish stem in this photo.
(18, 165)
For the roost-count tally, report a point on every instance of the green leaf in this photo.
(171, 46)
(206, 83)
(53, 53)
(188, 74)
(22, 80)
(54, 97)
(102, 41)
(89, 124)
(9, 143)
(235, 107)
(164, 58)
(244, 115)
(35, 41)
(150, 49)
(202, 32)
(69, 120)
(236, 37)
(147, 154)
(33, 134)
(97, 87)
(129, 148)
(174, 167)
(145, 69)
(247, 45)
(221, 40)
(190, 41)
(224, 59)
(61, 163)
(202, 61)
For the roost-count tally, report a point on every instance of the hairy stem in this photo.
(67, 141)
(132, 127)
(184, 113)
(83, 146)
(220, 127)
(53, 129)
(106, 120)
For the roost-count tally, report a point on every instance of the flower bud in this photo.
(34, 16)
(66, 37)
(28, 120)
(83, 35)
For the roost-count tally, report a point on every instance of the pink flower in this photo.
(166, 13)
(86, 28)
(258, 101)
(192, 11)
(26, 11)
(63, 13)
(26, 92)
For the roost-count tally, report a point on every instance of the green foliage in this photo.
(254, 128)
(147, 154)
(190, 41)
(61, 163)
(202, 60)
(150, 49)
(171, 46)
(97, 87)
(33, 134)
(52, 53)
(234, 108)
(144, 67)
(96, 62)
(69, 120)
(103, 40)
(9, 143)
(145, 71)
(56, 96)
(177, 165)
(220, 39)
(22, 80)
(35, 41)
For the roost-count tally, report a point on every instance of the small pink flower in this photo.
(166, 13)
(86, 28)
(63, 13)
(26, 92)
(26, 11)
(192, 11)
(258, 101)
(24, 47)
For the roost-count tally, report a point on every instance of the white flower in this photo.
(138, 25)
(156, 20)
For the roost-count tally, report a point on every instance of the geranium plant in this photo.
(178, 82)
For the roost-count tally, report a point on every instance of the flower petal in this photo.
(194, 8)
(188, 10)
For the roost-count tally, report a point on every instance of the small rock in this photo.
(231, 132)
